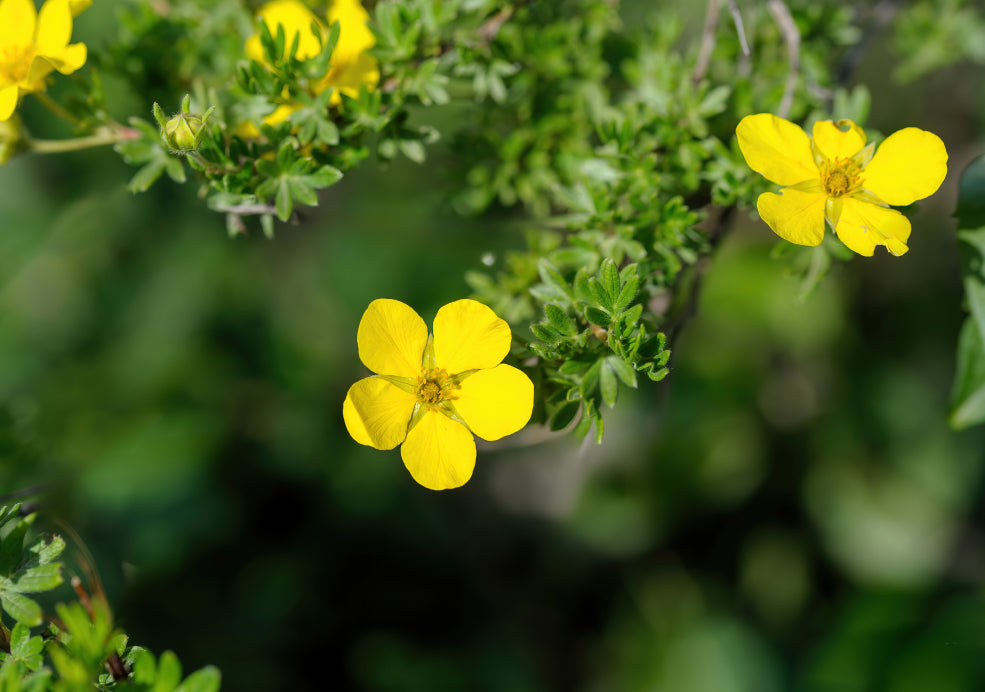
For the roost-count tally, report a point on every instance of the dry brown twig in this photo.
(791, 37)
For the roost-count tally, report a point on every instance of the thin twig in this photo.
(707, 40)
(246, 209)
(791, 37)
(740, 29)
(26, 492)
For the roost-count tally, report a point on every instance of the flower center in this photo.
(15, 62)
(434, 386)
(840, 177)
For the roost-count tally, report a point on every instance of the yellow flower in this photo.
(32, 45)
(835, 176)
(351, 66)
(433, 393)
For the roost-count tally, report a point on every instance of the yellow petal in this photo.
(776, 149)
(17, 22)
(54, 27)
(469, 336)
(8, 102)
(296, 19)
(836, 143)
(349, 77)
(864, 225)
(909, 165)
(376, 413)
(354, 35)
(391, 338)
(794, 215)
(438, 452)
(39, 70)
(79, 6)
(497, 402)
(69, 59)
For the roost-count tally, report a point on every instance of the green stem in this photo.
(55, 108)
(101, 138)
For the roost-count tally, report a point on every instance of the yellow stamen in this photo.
(434, 386)
(840, 177)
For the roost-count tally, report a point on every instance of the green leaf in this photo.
(970, 211)
(609, 277)
(565, 415)
(545, 333)
(623, 370)
(283, 202)
(42, 578)
(144, 668)
(12, 548)
(560, 320)
(590, 379)
(632, 316)
(324, 177)
(47, 551)
(168, 673)
(596, 316)
(968, 391)
(146, 176)
(205, 679)
(21, 608)
(608, 384)
(628, 293)
(26, 647)
(971, 248)
(599, 294)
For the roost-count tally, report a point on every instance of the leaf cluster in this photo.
(79, 649)
(592, 338)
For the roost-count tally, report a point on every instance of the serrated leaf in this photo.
(41, 578)
(608, 385)
(609, 278)
(632, 316)
(21, 608)
(206, 679)
(583, 291)
(596, 316)
(550, 276)
(628, 293)
(545, 333)
(47, 551)
(599, 294)
(560, 320)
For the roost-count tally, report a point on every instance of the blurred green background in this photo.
(789, 510)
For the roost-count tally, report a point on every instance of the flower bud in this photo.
(183, 133)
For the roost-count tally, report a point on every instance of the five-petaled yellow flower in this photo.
(432, 393)
(351, 65)
(834, 175)
(33, 44)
